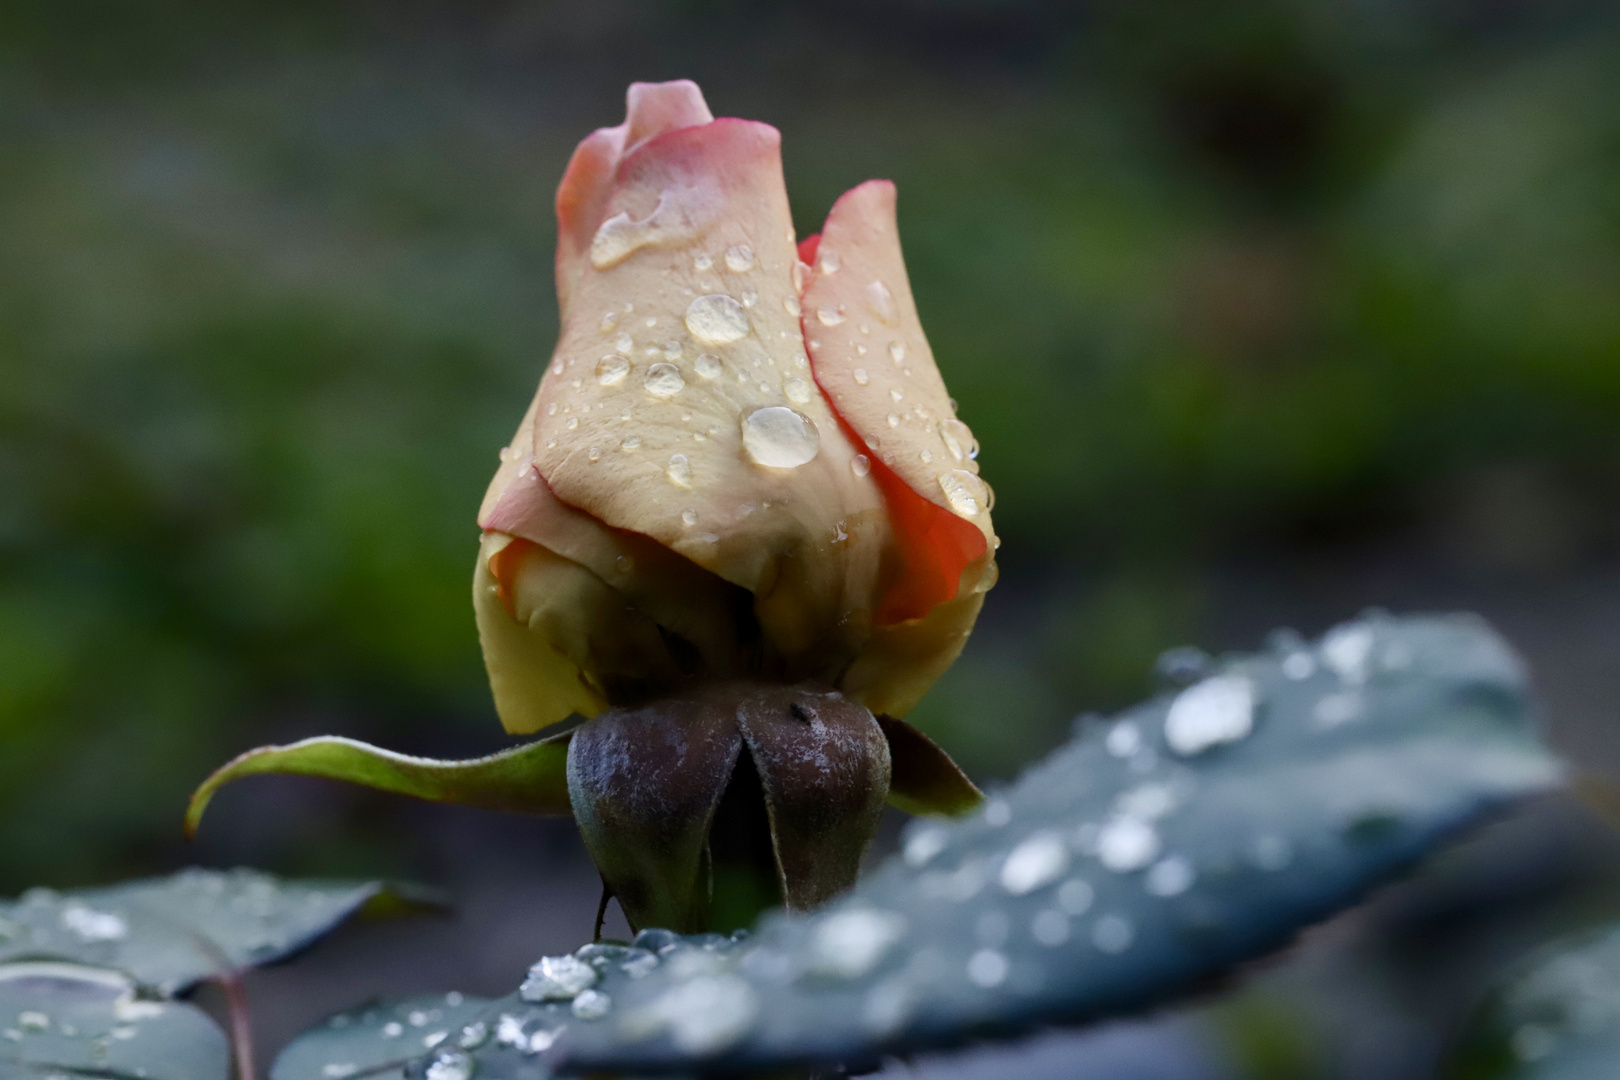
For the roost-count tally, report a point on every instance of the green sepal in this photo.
(528, 779)
(923, 779)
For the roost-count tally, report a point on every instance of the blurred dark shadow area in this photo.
(1264, 311)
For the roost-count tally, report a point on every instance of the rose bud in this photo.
(740, 526)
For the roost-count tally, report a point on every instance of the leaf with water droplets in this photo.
(380, 1040)
(1556, 1017)
(60, 1019)
(171, 933)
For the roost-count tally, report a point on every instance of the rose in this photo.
(741, 461)
(739, 519)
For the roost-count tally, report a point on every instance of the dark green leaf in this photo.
(1192, 833)
(1556, 1018)
(528, 779)
(70, 1020)
(170, 933)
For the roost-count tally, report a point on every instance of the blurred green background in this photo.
(1263, 310)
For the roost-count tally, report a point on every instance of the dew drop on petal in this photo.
(829, 260)
(894, 421)
(879, 299)
(610, 321)
(707, 365)
(702, 261)
(611, 369)
(679, 471)
(689, 517)
(672, 349)
(790, 304)
(664, 380)
(624, 343)
(829, 315)
(594, 454)
(797, 391)
(965, 493)
(573, 423)
(716, 319)
(860, 465)
(779, 437)
(861, 378)
(897, 351)
(739, 258)
(958, 439)
(630, 443)
(801, 276)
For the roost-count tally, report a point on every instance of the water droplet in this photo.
(624, 343)
(557, 978)
(664, 380)
(830, 314)
(848, 944)
(895, 394)
(790, 304)
(1215, 711)
(987, 969)
(749, 297)
(594, 454)
(897, 351)
(90, 925)
(797, 391)
(704, 1015)
(652, 321)
(452, 1066)
(702, 261)
(1126, 843)
(707, 365)
(339, 1069)
(1170, 876)
(861, 378)
(592, 1005)
(716, 319)
(997, 812)
(1075, 896)
(1298, 665)
(965, 493)
(610, 320)
(880, 300)
(1050, 928)
(829, 260)
(739, 258)
(1113, 934)
(551, 410)
(927, 456)
(393, 1029)
(1149, 802)
(572, 424)
(473, 1035)
(1035, 863)
(860, 465)
(630, 443)
(31, 1020)
(780, 437)
(1346, 650)
(958, 439)
(679, 471)
(689, 517)
(1123, 739)
(801, 276)
(611, 370)
(922, 843)
(672, 350)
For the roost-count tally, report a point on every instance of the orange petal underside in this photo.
(807, 249)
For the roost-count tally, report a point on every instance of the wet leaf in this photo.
(1191, 833)
(1556, 1018)
(380, 1040)
(170, 933)
(61, 1019)
(528, 779)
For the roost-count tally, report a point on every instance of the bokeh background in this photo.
(1264, 311)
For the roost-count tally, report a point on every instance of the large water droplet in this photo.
(1035, 863)
(880, 300)
(958, 439)
(716, 319)
(829, 314)
(797, 391)
(965, 493)
(860, 465)
(1347, 649)
(679, 471)
(557, 978)
(664, 380)
(707, 365)
(612, 369)
(592, 1005)
(1215, 711)
(739, 258)
(1126, 843)
(780, 437)
(90, 925)
(848, 944)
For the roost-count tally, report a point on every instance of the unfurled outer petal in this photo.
(872, 359)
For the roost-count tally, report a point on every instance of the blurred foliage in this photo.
(1206, 277)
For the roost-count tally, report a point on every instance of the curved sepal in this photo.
(528, 779)
(922, 778)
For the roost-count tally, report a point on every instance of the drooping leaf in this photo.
(1191, 833)
(528, 779)
(170, 933)
(1556, 1018)
(60, 1019)
(380, 1040)
(923, 779)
